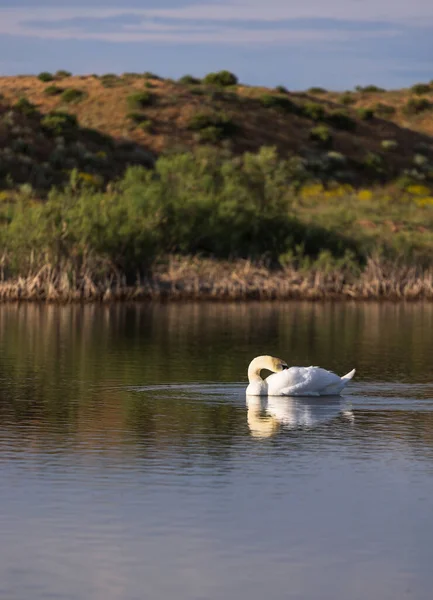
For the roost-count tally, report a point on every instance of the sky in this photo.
(336, 44)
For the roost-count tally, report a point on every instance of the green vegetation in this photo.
(389, 145)
(341, 120)
(321, 135)
(415, 106)
(45, 77)
(278, 101)
(314, 111)
(421, 88)
(221, 78)
(347, 98)
(62, 74)
(212, 127)
(317, 91)
(213, 205)
(72, 95)
(189, 80)
(365, 114)
(370, 89)
(53, 90)
(140, 100)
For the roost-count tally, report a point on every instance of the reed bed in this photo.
(206, 279)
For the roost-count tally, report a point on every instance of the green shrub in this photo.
(421, 88)
(53, 90)
(370, 89)
(365, 114)
(314, 111)
(315, 90)
(189, 80)
(281, 89)
(321, 135)
(347, 98)
(341, 120)
(72, 95)
(61, 74)
(24, 106)
(278, 101)
(389, 145)
(45, 76)
(373, 162)
(110, 80)
(150, 75)
(217, 125)
(59, 122)
(140, 100)
(384, 110)
(415, 106)
(221, 78)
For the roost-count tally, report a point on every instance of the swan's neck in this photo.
(254, 369)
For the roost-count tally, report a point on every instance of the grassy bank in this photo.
(210, 224)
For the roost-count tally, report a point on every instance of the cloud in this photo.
(236, 23)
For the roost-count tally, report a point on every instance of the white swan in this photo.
(296, 381)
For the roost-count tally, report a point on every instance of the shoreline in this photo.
(193, 279)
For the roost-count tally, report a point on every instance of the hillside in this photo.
(360, 137)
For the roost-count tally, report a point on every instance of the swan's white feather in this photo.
(306, 381)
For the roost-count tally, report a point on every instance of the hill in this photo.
(360, 137)
(134, 187)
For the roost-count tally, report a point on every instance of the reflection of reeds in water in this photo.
(194, 278)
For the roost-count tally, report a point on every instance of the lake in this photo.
(132, 467)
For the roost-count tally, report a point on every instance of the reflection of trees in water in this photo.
(64, 370)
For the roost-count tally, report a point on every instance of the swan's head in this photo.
(270, 363)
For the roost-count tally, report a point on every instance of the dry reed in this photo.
(206, 279)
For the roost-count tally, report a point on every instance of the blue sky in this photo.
(333, 43)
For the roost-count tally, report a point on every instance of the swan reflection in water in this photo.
(267, 415)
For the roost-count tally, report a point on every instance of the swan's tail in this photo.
(348, 376)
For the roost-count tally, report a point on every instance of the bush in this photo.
(384, 110)
(421, 88)
(189, 80)
(53, 90)
(59, 122)
(140, 100)
(415, 106)
(61, 74)
(341, 120)
(221, 78)
(72, 95)
(150, 75)
(315, 90)
(281, 89)
(370, 89)
(314, 111)
(110, 80)
(365, 114)
(321, 135)
(280, 102)
(373, 162)
(217, 125)
(347, 98)
(25, 107)
(389, 145)
(45, 76)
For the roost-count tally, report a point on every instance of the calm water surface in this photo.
(132, 467)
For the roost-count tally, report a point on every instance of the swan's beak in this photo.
(284, 367)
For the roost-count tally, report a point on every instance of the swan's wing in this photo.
(306, 381)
